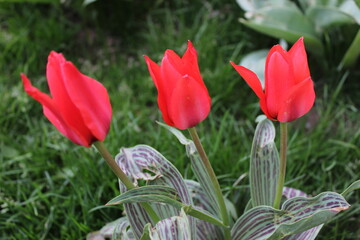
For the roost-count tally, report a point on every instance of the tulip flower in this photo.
(183, 97)
(289, 90)
(79, 106)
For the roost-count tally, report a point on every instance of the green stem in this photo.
(214, 181)
(281, 179)
(123, 178)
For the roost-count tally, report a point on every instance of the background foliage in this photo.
(49, 187)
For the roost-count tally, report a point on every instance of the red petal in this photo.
(155, 74)
(90, 98)
(298, 101)
(190, 103)
(52, 113)
(61, 97)
(263, 107)
(171, 71)
(251, 79)
(278, 78)
(191, 66)
(299, 60)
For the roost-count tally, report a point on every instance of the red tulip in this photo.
(79, 107)
(289, 90)
(182, 95)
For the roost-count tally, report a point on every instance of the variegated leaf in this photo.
(310, 234)
(151, 193)
(206, 230)
(116, 230)
(296, 215)
(173, 228)
(143, 162)
(198, 168)
(264, 165)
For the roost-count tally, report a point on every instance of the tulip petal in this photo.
(61, 97)
(51, 112)
(190, 61)
(190, 103)
(299, 60)
(263, 107)
(155, 74)
(251, 79)
(278, 78)
(298, 101)
(171, 70)
(90, 98)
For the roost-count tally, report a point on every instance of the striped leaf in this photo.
(310, 234)
(264, 165)
(296, 216)
(173, 228)
(116, 230)
(151, 193)
(206, 230)
(199, 169)
(143, 162)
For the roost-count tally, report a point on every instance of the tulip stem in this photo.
(214, 181)
(281, 179)
(123, 178)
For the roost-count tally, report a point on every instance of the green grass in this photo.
(48, 185)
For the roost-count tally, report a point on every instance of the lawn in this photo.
(53, 189)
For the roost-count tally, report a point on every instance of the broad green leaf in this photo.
(351, 8)
(146, 232)
(264, 165)
(296, 216)
(142, 162)
(324, 17)
(354, 186)
(285, 22)
(253, 5)
(357, 2)
(199, 169)
(352, 53)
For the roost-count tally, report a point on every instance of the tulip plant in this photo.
(159, 203)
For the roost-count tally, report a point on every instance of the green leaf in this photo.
(354, 186)
(264, 165)
(146, 232)
(357, 2)
(352, 53)
(324, 17)
(285, 22)
(296, 215)
(141, 163)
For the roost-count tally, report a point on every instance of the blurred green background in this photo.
(49, 187)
